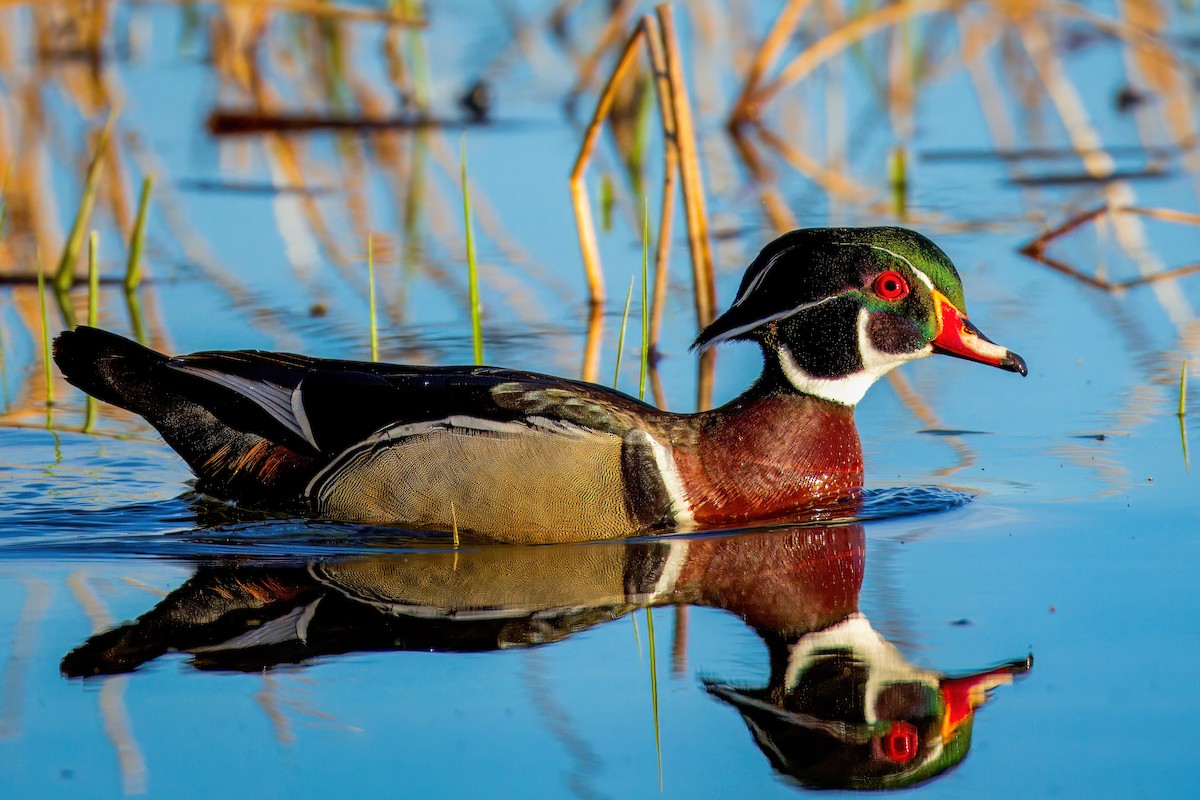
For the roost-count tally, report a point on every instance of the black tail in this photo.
(231, 459)
(111, 368)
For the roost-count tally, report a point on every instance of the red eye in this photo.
(891, 286)
(900, 743)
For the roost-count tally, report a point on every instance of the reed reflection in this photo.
(842, 706)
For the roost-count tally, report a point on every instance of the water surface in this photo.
(1052, 517)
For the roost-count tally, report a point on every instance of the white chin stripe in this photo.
(848, 389)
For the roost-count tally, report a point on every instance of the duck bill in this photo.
(962, 695)
(957, 336)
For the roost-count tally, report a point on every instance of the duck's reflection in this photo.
(842, 708)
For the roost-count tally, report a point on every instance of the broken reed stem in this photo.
(133, 268)
(41, 284)
(768, 53)
(374, 320)
(454, 525)
(837, 41)
(472, 269)
(694, 204)
(617, 20)
(583, 209)
(64, 276)
(621, 335)
(662, 85)
(334, 12)
(592, 344)
(4, 193)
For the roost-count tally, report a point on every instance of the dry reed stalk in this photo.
(842, 38)
(658, 64)
(765, 58)
(583, 209)
(1156, 277)
(609, 36)
(1036, 247)
(1136, 32)
(1066, 100)
(1165, 214)
(311, 8)
(694, 205)
(829, 179)
(777, 209)
(1067, 269)
(924, 413)
(592, 344)
(976, 41)
(117, 726)
(706, 379)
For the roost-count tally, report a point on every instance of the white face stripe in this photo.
(758, 279)
(791, 312)
(848, 390)
(919, 273)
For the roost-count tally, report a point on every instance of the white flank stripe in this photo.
(671, 569)
(664, 459)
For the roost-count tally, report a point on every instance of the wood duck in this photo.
(524, 457)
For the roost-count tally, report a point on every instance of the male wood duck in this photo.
(524, 457)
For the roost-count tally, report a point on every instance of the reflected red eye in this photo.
(900, 743)
(891, 286)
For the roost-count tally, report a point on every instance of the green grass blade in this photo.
(1183, 389)
(621, 335)
(134, 306)
(64, 276)
(654, 695)
(93, 315)
(472, 267)
(898, 178)
(374, 322)
(133, 269)
(41, 283)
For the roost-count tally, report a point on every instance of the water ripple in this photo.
(186, 527)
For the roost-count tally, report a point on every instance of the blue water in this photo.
(1053, 517)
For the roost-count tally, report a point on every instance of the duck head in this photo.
(845, 710)
(834, 309)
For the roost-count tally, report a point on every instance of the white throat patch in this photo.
(848, 389)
